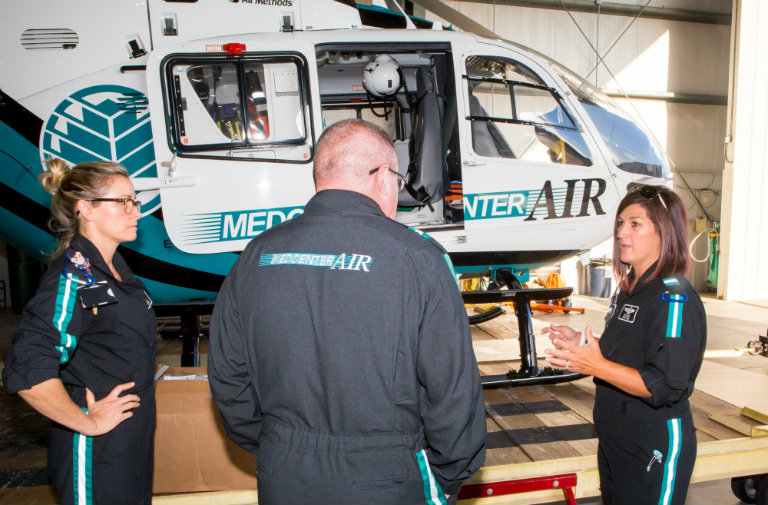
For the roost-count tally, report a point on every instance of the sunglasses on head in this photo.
(650, 192)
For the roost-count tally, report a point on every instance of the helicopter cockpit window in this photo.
(250, 108)
(513, 114)
(632, 148)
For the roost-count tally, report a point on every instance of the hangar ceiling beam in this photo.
(456, 18)
(616, 9)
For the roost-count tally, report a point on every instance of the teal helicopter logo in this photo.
(104, 123)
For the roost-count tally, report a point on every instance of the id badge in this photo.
(96, 295)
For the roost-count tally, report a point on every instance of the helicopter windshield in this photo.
(633, 149)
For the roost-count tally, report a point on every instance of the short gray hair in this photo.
(349, 148)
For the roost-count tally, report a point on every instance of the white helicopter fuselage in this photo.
(511, 162)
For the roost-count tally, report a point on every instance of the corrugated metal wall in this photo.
(744, 271)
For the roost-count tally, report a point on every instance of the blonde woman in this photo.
(83, 353)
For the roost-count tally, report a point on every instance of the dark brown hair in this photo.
(669, 217)
(84, 181)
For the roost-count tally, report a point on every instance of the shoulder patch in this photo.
(674, 292)
(628, 313)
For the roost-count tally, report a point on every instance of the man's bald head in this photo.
(347, 151)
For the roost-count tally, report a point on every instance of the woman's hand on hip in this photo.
(111, 410)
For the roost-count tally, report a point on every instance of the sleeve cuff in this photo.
(451, 488)
(19, 381)
(656, 385)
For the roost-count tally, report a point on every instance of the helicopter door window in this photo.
(273, 102)
(208, 104)
(251, 108)
(513, 114)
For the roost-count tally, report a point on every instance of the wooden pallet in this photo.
(547, 430)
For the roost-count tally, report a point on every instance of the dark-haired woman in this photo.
(83, 353)
(647, 359)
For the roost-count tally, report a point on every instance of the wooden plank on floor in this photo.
(502, 327)
(479, 334)
(575, 398)
(502, 366)
(571, 427)
(702, 404)
(501, 449)
(528, 431)
(497, 367)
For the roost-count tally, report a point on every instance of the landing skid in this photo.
(529, 373)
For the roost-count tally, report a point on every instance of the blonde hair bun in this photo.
(51, 178)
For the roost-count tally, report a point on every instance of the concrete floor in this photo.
(23, 433)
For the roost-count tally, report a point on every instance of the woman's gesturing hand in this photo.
(562, 333)
(569, 355)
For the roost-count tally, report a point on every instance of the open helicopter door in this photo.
(530, 167)
(233, 141)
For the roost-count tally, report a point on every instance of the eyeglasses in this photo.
(649, 192)
(401, 181)
(128, 203)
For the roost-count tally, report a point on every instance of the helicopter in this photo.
(214, 106)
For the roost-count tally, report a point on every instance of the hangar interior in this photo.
(694, 73)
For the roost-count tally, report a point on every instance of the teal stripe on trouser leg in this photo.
(432, 492)
(670, 466)
(82, 449)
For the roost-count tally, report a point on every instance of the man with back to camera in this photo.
(340, 351)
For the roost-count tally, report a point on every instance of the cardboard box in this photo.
(192, 450)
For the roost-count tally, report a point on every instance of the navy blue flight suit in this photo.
(341, 355)
(647, 446)
(89, 330)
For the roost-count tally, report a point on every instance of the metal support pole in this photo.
(529, 366)
(190, 337)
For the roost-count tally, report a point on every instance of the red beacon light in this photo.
(233, 48)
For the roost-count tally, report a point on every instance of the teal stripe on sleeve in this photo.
(675, 316)
(62, 315)
(445, 256)
(433, 494)
(450, 266)
(425, 235)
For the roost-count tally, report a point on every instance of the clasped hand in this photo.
(569, 355)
